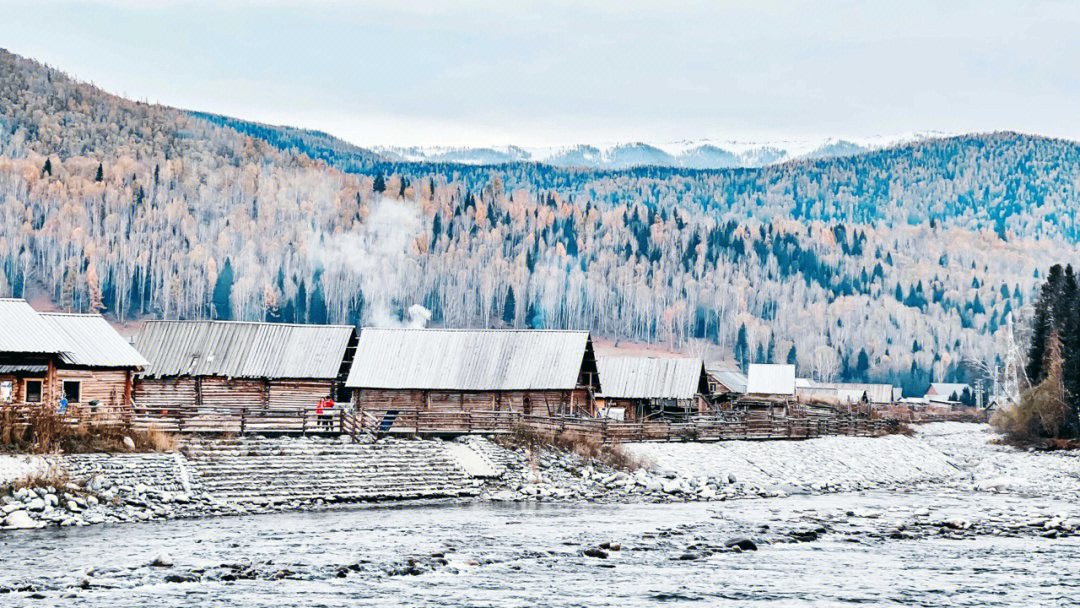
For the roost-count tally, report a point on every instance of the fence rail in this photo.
(241, 419)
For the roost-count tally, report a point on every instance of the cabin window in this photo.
(33, 391)
(72, 388)
(7, 388)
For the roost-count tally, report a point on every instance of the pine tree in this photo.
(509, 308)
(742, 348)
(47, 169)
(1043, 324)
(862, 366)
(222, 298)
(317, 313)
(100, 173)
(380, 184)
(792, 358)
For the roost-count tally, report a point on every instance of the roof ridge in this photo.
(235, 322)
(71, 314)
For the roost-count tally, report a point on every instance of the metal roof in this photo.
(650, 377)
(238, 349)
(23, 369)
(92, 341)
(733, 379)
(770, 379)
(22, 330)
(468, 360)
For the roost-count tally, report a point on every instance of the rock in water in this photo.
(129, 443)
(20, 520)
(163, 560)
(741, 542)
(600, 553)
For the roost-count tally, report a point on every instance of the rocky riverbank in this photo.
(238, 477)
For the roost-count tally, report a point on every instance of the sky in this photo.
(553, 73)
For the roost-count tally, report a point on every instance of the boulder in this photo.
(36, 504)
(162, 560)
(742, 543)
(21, 520)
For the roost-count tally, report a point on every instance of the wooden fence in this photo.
(731, 426)
(88, 416)
(242, 419)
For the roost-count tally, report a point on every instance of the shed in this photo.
(653, 387)
(229, 364)
(453, 370)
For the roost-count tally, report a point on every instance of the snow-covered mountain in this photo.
(697, 154)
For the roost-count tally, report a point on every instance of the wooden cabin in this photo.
(234, 364)
(47, 357)
(538, 372)
(637, 389)
(726, 385)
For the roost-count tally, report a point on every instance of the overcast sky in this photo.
(550, 73)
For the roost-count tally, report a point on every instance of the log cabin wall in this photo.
(165, 393)
(107, 386)
(232, 392)
(18, 386)
(539, 403)
(298, 394)
(186, 391)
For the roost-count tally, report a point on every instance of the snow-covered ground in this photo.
(958, 453)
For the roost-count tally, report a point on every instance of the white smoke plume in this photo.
(381, 259)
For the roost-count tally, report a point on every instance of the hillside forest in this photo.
(900, 265)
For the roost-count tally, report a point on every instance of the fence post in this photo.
(243, 420)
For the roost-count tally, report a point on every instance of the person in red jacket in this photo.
(325, 411)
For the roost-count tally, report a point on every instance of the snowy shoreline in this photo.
(141, 487)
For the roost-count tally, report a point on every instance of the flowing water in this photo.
(533, 555)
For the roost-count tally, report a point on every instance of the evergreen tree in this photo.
(47, 169)
(509, 308)
(317, 313)
(1043, 324)
(380, 184)
(100, 173)
(792, 358)
(862, 366)
(222, 298)
(770, 356)
(742, 348)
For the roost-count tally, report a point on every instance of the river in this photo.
(520, 554)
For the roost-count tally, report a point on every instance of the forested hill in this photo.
(893, 265)
(1005, 182)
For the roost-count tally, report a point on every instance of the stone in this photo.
(21, 520)
(162, 560)
(742, 543)
(595, 552)
(129, 443)
(36, 504)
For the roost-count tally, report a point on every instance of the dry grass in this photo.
(44, 431)
(154, 440)
(585, 445)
